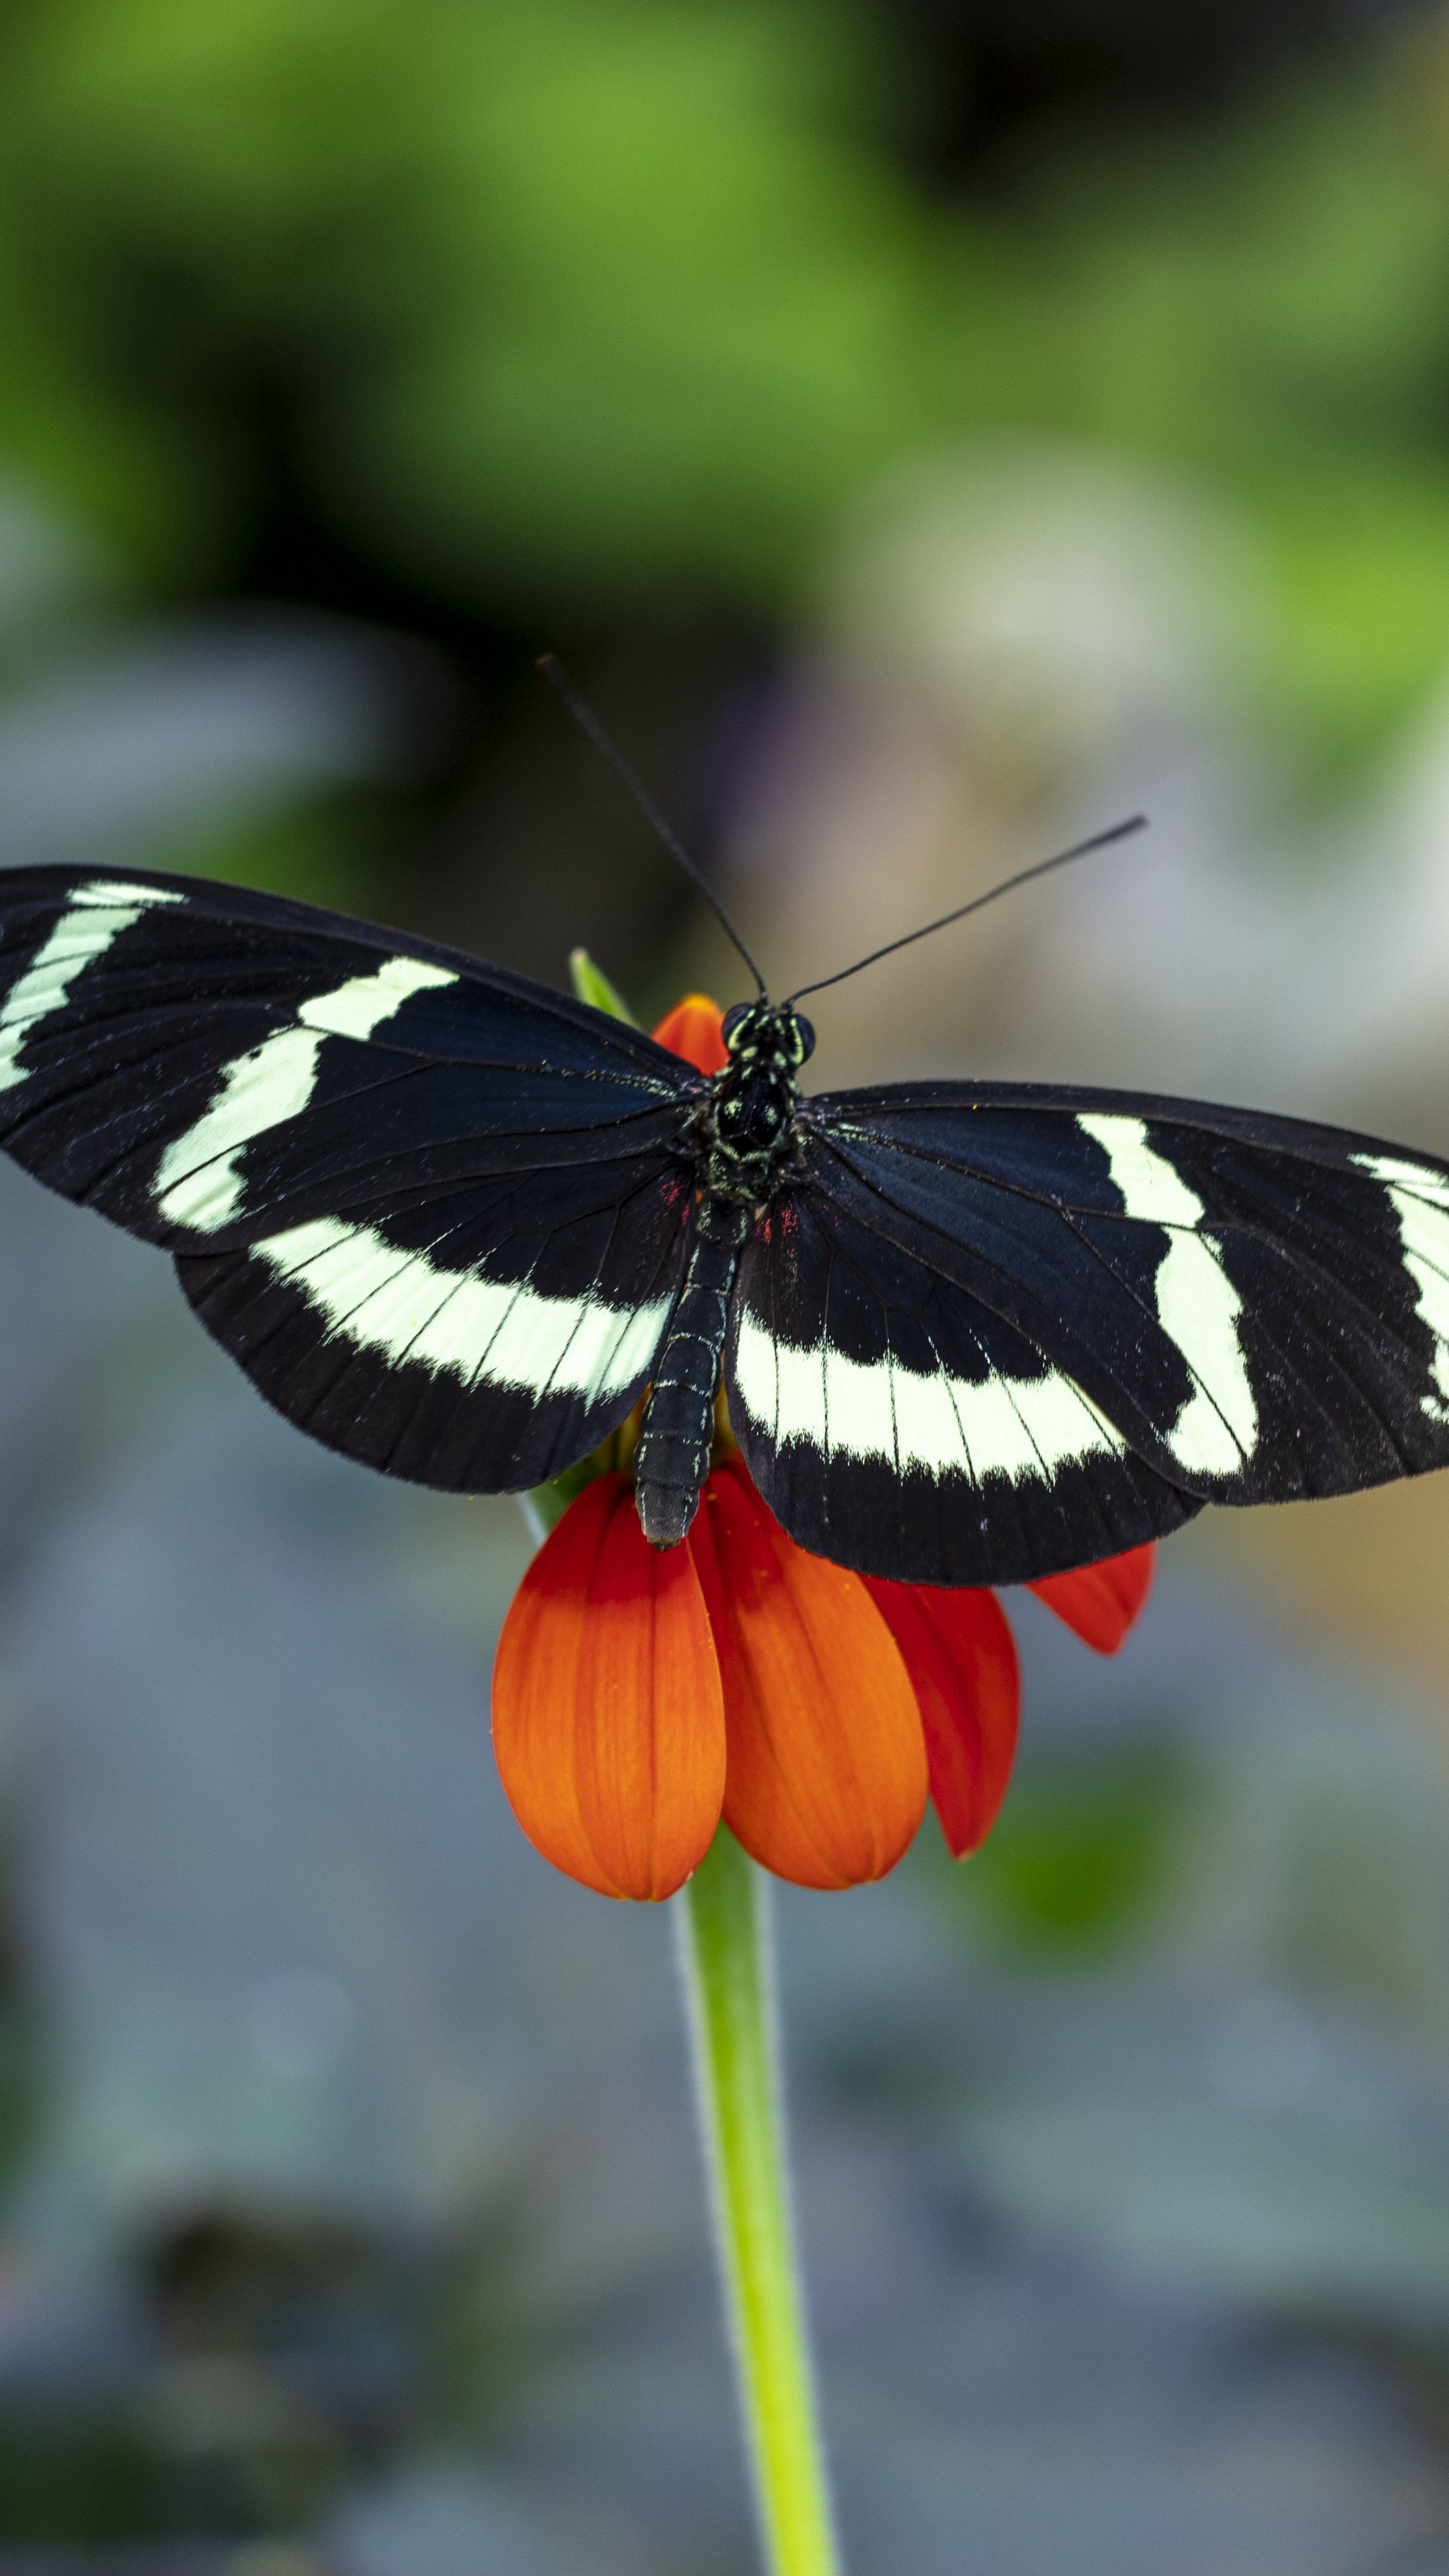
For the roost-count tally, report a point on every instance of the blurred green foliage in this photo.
(563, 309)
(1263, 306)
(1083, 1849)
(567, 298)
(279, 2362)
(76, 2476)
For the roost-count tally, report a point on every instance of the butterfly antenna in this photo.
(1023, 876)
(587, 722)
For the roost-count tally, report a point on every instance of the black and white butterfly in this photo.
(453, 1224)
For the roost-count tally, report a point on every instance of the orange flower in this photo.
(639, 1697)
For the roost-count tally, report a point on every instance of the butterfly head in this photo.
(768, 1032)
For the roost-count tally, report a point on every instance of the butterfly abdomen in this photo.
(672, 1458)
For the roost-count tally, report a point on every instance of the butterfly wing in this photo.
(436, 1211)
(998, 1330)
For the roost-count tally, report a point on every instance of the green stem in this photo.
(725, 1953)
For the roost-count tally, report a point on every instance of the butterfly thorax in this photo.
(748, 1128)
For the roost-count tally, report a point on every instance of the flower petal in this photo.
(826, 1781)
(692, 1029)
(608, 1718)
(961, 1657)
(1099, 1602)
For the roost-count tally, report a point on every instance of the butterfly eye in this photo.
(804, 1036)
(734, 1019)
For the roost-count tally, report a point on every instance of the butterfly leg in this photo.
(672, 1458)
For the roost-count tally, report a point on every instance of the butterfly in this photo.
(454, 1224)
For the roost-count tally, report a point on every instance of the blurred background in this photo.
(929, 432)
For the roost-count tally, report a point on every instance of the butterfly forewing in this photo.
(438, 1213)
(1214, 1305)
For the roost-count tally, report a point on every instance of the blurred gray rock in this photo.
(143, 745)
(436, 2523)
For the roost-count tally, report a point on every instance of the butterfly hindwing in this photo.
(438, 1213)
(1245, 1308)
(479, 1342)
(896, 1423)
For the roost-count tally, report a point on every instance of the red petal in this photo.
(1099, 1602)
(692, 1029)
(827, 1766)
(608, 1718)
(961, 1658)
